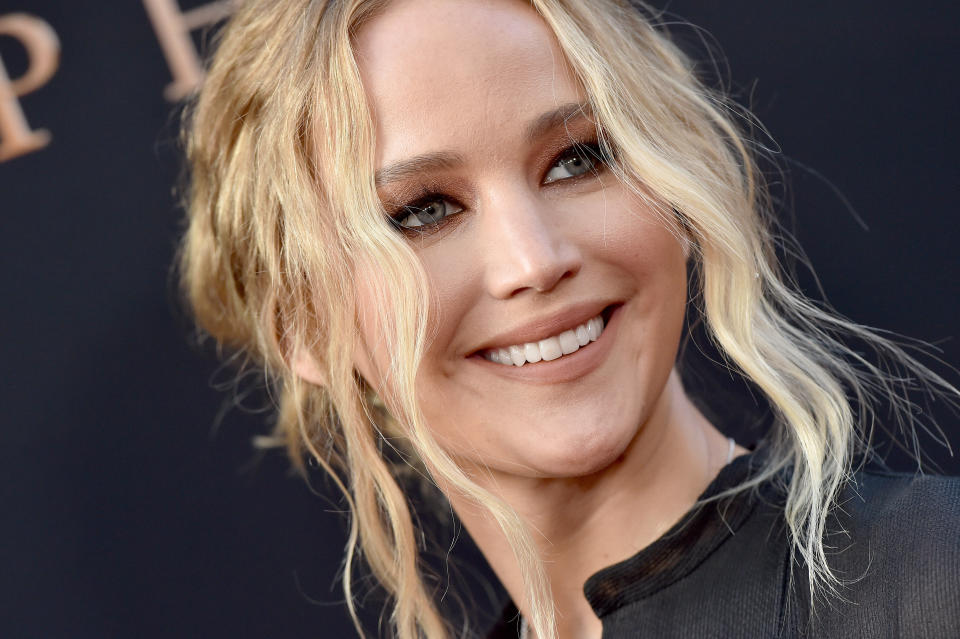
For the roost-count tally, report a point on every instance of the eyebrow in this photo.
(418, 164)
(446, 160)
(556, 118)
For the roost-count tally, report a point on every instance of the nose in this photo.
(527, 247)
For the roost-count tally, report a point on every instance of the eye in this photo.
(427, 211)
(575, 161)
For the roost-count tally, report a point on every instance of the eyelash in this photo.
(592, 151)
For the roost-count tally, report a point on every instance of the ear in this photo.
(305, 365)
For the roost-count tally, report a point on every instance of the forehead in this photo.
(440, 73)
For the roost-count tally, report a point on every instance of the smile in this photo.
(588, 343)
(550, 348)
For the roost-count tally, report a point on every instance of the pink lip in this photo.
(547, 326)
(565, 369)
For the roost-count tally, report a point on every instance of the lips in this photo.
(565, 369)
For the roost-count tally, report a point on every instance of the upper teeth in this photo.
(550, 348)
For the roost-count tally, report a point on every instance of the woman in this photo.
(462, 235)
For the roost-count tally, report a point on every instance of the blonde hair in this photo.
(282, 212)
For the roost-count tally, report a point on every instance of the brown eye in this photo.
(426, 212)
(574, 162)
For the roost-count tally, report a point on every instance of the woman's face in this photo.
(525, 237)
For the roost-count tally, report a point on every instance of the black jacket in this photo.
(724, 570)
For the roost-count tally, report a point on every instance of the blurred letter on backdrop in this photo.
(43, 55)
(173, 29)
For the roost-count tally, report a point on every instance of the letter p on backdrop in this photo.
(43, 54)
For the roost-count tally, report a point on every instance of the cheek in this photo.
(644, 245)
(650, 253)
(454, 272)
(371, 355)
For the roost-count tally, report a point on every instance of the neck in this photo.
(583, 524)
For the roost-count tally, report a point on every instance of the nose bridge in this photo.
(528, 248)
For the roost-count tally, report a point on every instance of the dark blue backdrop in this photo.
(127, 514)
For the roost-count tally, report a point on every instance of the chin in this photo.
(581, 453)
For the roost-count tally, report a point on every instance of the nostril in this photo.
(549, 277)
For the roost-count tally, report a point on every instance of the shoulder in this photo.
(909, 511)
(893, 542)
(896, 529)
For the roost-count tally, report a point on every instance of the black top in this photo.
(724, 569)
